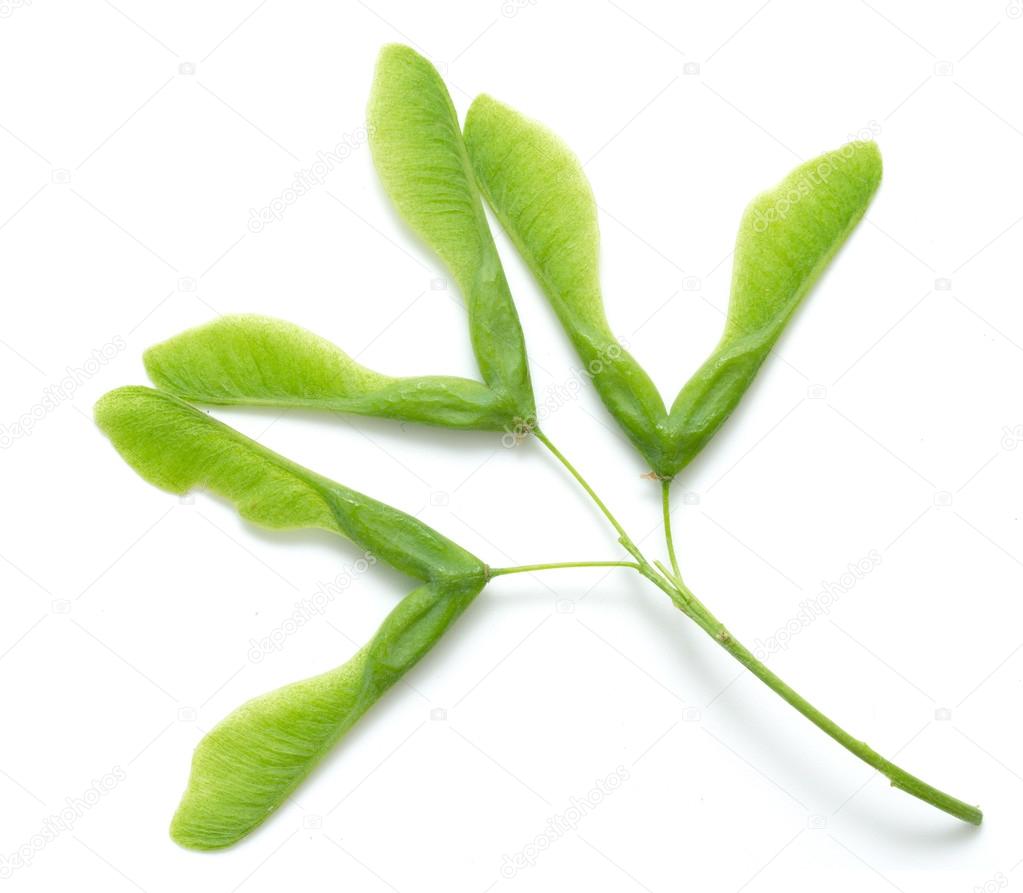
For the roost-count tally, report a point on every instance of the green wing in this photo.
(177, 448)
(419, 154)
(786, 238)
(255, 360)
(539, 192)
(250, 763)
(245, 768)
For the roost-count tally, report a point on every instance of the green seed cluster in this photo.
(248, 765)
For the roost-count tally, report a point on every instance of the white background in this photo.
(136, 138)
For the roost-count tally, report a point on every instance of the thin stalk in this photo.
(623, 537)
(670, 582)
(666, 510)
(668, 575)
(899, 777)
(526, 568)
(662, 581)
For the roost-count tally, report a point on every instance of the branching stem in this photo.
(622, 535)
(670, 582)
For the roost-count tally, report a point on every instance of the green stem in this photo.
(666, 509)
(668, 575)
(526, 568)
(623, 537)
(662, 580)
(899, 777)
(670, 582)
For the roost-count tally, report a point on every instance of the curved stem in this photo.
(622, 535)
(526, 568)
(660, 579)
(670, 582)
(666, 510)
(899, 777)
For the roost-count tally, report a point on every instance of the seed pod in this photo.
(176, 447)
(248, 765)
(539, 192)
(419, 154)
(255, 360)
(787, 237)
